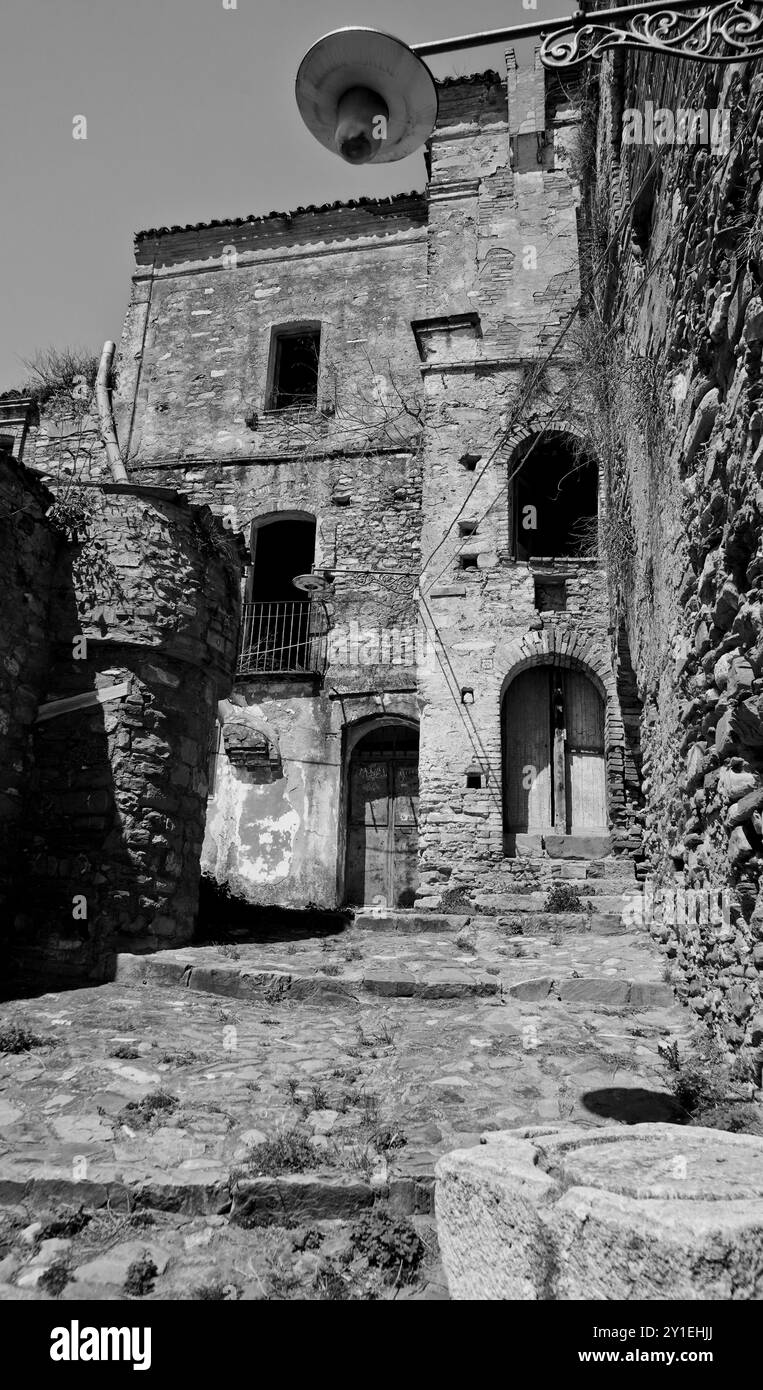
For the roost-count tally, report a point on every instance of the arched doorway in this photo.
(381, 864)
(554, 764)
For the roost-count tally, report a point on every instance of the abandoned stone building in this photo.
(436, 705)
(458, 591)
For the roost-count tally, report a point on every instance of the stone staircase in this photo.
(392, 1041)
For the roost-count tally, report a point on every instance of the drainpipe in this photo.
(108, 432)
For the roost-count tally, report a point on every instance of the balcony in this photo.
(283, 639)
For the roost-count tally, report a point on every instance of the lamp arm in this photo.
(678, 27)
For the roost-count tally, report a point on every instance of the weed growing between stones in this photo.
(389, 1243)
(711, 1090)
(140, 1276)
(16, 1037)
(331, 969)
(288, 1152)
(142, 1112)
(216, 1291)
(455, 900)
(124, 1051)
(186, 1058)
(563, 897)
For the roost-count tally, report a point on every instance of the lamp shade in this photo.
(361, 65)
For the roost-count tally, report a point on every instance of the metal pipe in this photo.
(540, 27)
(108, 431)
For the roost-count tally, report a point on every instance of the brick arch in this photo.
(554, 424)
(563, 647)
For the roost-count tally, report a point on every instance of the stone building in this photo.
(439, 705)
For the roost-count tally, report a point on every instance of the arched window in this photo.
(554, 499)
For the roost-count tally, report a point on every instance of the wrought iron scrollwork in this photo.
(727, 33)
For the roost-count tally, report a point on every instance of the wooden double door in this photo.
(382, 823)
(555, 773)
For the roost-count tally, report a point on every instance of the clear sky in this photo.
(190, 116)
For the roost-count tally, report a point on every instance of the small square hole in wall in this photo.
(550, 595)
(474, 780)
(470, 461)
(467, 562)
(467, 526)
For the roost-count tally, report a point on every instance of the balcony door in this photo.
(276, 635)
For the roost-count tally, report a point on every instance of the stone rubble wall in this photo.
(689, 285)
(114, 811)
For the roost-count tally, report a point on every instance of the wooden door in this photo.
(528, 745)
(585, 765)
(382, 831)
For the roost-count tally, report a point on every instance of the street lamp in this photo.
(371, 98)
(366, 95)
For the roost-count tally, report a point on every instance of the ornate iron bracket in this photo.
(728, 33)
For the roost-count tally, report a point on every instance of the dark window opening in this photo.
(555, 500)
(467, 562)
(281, 630)
(474, 780)
(467, 527)
(550, 595)
(470, 461)
(295, 370)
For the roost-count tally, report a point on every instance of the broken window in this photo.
(554, 499)
(295, 369)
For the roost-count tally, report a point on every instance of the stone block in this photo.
(655, 1212)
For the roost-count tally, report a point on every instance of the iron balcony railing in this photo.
(283, 639)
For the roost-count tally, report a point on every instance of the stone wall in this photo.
(502, 236)
(143, 623)
(27, 553)
(683, 315)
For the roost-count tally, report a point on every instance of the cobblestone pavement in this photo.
(153, 1095)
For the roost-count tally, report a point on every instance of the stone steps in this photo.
(500, 966)
(272, 986)
(601, 991)
(601, 920)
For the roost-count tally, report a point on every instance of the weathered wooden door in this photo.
(382, 830)
(586, 773)
(554, 752)
(528, 752)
